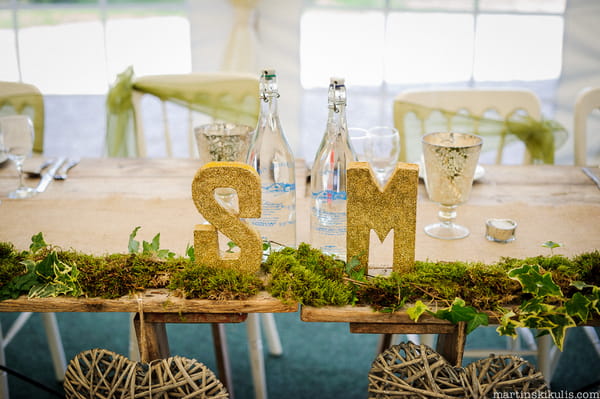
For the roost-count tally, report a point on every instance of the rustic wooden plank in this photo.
(157, 301)
(195, 317)
(401, 328)
(361, 314)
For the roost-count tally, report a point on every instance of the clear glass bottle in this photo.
(328, 177)
(270, 154)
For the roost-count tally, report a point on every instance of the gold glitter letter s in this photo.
(246, 182)
(394, 208)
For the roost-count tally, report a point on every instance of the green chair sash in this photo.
(226, 97)
(541, 137)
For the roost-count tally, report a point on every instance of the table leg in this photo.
(451, 337)
(155, 345)
(152, 339)
(385, 341)
(222, 356)
(452, 345)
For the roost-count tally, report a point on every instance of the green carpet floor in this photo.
(320, 360)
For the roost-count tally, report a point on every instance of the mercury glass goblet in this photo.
(17, 132)
(450, 160)
(223, 142)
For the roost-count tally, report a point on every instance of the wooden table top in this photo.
(104, 199)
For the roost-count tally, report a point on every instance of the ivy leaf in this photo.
(189, 251)
(231, 245)
(533, 282)
(551, 244)
(354, 269)
(20, 284)
(37, 243)
(532, 321)
(479, 319)
(508, 326)
(165, 254)
(134, 246)
(578, 305)
(55, 278)
(558, 332)
(45, 267)
(459, 312)
(155, 246)
(535, 305)
(417, 310)
(595, 300)
(581, 285)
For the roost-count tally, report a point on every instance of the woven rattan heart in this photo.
(99, 373)
(416, 371)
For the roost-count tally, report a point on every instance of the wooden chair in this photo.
(23, 98)
(228, 97)
(471, 102)
(426, 116)
(587, 100)
(224, 97)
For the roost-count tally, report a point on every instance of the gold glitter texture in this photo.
(371, 208)
(246, 183)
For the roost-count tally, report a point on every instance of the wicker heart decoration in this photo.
(409, 371)
(99, 373)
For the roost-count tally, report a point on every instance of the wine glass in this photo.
(223, 142)
(360, 143)
(18, 142)
(380, 146)
(385, 150)
(450, 160)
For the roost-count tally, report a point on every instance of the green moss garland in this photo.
(309, 277)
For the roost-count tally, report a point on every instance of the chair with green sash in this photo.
(505, 119)
(222, 96)
(23, 98)
(502, 117)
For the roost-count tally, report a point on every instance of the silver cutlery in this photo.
(592, 176)
(48, 176)
(62, 172)
(37, 172)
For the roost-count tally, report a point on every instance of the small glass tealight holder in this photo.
(500, 230)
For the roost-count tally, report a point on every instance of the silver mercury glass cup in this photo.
(223, 142)
(450, 160)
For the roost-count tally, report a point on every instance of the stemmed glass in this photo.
(450, 160)
(223, 142)
(385, 150)
(17, 131)
(360, 143)
(380, 146)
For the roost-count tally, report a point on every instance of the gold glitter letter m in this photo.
(246, 183)
(394, 207)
